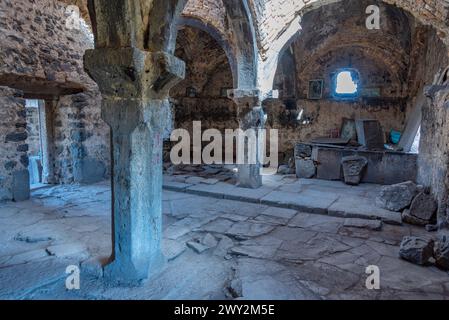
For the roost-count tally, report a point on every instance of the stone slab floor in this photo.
(215, 249)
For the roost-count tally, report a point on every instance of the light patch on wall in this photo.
(346, 83)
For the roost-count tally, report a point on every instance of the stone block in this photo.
(21, 185)
(305, 168)
(416, 250)
(303, 150)
(375, 225)
(397, 197)
(442, 252)
(328, 163)
(353, 168)
(89, 171)
(423, 209)
(370, 134)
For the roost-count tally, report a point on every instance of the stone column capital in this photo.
(133, 74)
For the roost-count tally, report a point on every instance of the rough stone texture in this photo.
(202, 95)
(383, 167)
(286, 193)
(422, 210)
(38, 52)
(361, 223)
(303, 150)
(353, 169)
(305, 168)
(136, 108)
(442, 252)
(13, 147)
(309, 59)
(397, 197)
(274, 16)
(43, 58)
(416, 250)
(315, 257)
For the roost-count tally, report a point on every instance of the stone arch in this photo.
(293, 31)
(218, 36)
(240, 22)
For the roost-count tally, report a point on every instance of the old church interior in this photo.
(356, 92)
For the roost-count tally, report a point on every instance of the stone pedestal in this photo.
(250, 117)
(134, 86)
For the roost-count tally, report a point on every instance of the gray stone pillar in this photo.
(250, 116)
(134, 85)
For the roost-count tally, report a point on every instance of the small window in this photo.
(346, 84)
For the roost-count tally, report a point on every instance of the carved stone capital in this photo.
(131, 73)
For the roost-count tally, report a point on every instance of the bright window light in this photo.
(346, 83)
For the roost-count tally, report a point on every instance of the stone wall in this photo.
(202, 95)
(272, 17)
(81, 139)
(13, 148)
(322, 118)
(42, 57)
(381, 58)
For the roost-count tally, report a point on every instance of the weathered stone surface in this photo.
(353, 168)
(422, 210)
(209, 241)
(223, 247)
(21, 185)
(375, 225)
(370, 134)
(416, 250)
(303, 150)
(234, 288)
(285, 169)
(442, 252)
(330, 264)
(246, 230)
(305, 168)
(410, 219)
(67, 250)
(397, 197)
(197, 247)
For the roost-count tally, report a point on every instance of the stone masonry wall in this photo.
(42, 57)
(381, 59)
(202, 95)
(273, 16)
(13, 148)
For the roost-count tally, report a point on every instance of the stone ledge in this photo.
(312, 201)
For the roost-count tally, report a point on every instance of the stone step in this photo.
(310, 200)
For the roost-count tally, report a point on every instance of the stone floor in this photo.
(332, 198)
(216, 248)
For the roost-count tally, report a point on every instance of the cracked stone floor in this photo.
(215, 249)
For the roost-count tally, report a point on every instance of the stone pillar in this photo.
(134, 85)
(46, 116)
(250, 115)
